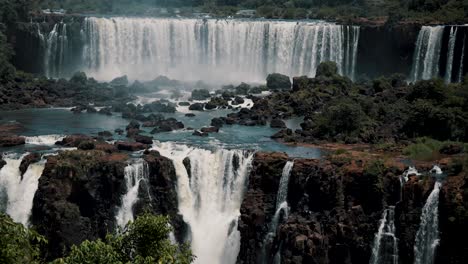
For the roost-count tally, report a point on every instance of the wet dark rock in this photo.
(160, 106)
(209, 129)
(216, 102)
(91, 110)
(200, 94)
(132, 132)
(78, 109)
(120, 81)
(11, 140)
(276, 81)
(238, 100)
(130, 146)
(28, 160)
(197, 107)
(105, 134)
(190, 115)
(133, 125)
(76, 198)
(167, 125)
(2, 162)
(277, 123)
(217, 122)
(199, 133)
(184, 103)
(119, 131)
(144, 139)
(73, 140)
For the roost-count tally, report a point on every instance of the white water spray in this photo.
(44, 140)
(385, 246)
(427, 53)
(281, 207)
(450, 52)
(194, 49)
(210, 195)
(134, 174)
(427, 237)
(17, 192)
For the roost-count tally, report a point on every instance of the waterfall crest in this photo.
(210, 187)
(427, 237)
(134, 174)
(193, 49)
(16, 191)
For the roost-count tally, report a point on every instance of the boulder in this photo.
(199, 133)
(196, 107)
(27, 160)
(327, 69)
(200, 94)
(277, 123)
(11, 141)
(133, 125)
(217, 122)
(144, 139)
(276, 81)
(209, 129)
(105, 134)
(73, 140)
(190, 115)
(130, 146)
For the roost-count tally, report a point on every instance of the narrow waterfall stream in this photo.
(134, 174)
(427, 237)
(450, 53)
(281, 208)
(16, 191)
(385, 246)
(210, 187)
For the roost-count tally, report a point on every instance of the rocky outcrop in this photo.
(335, 206)
(77, 196)
(28, 160)
(11, 141)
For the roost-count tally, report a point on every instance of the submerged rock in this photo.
(197, 107)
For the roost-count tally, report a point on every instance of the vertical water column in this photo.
(427, 53)
(385, 245)
(210, 187)
(450, 52)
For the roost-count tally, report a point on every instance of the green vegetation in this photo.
(17, 243)
(454, 11)
(144, 241)
(430, 149)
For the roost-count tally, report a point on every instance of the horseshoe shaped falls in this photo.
(233, 131)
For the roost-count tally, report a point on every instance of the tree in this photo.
(17, 243)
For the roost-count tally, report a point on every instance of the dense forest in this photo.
(423, 10)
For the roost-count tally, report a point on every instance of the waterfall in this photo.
(462, 57)
(44, 139)
(134, 174)
(281, 207)
(385, 246)
(214, 50)
(450, 52)
(427, 237)
(16, 191)
(427, 53)
(210, 187)
(56, 46)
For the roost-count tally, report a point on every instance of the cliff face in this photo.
(80, 191)
(335, 208)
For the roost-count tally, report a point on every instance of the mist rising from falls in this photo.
(214, 50)
(210, 186)
(16, 191)
(385, 246)
(281, 208)
(427, 237)
(134, 174)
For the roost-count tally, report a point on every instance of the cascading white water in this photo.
(16, 191)
(427, 237)
(214, 50)
(134, 174)
(427, 53)
(462, 57)
(56, 47)
(385, 246)
(44, 139)
(281, 207)
(450, 52)
(209, 196)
